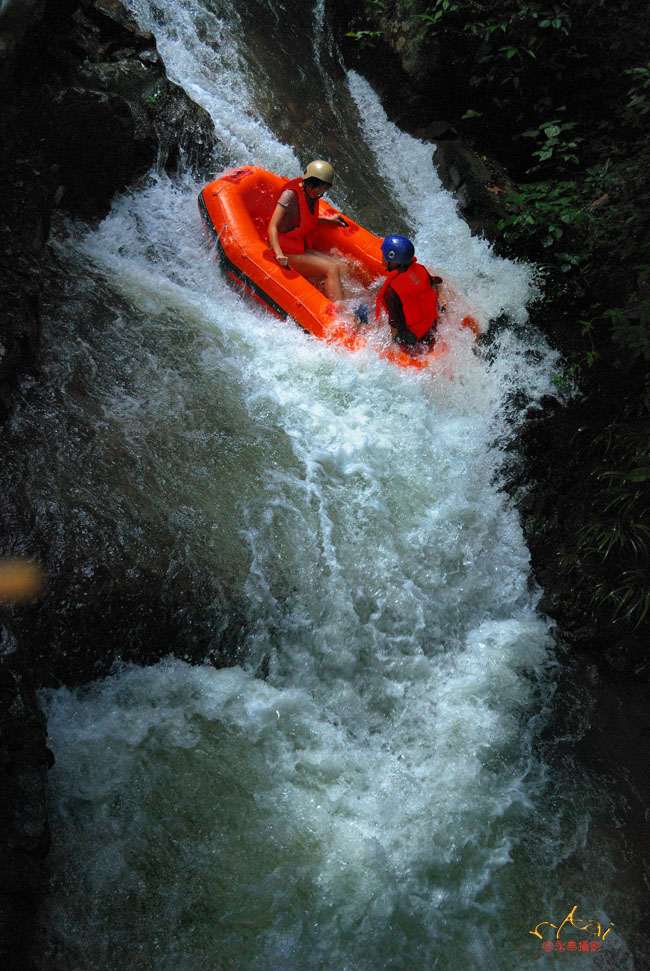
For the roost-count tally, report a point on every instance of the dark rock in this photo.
(101, 113)
(93, 138)
(17, 19)
(418, 55)
(436, 131)
(480, 186)
(114, 20)
(89, 620)
(397, 68)
(117, 114)
(25, 199)
(628, 653)
(24, 761)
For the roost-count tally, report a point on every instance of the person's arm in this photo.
(335, 217)
(435, 283)
(274, 222)
(395, 313)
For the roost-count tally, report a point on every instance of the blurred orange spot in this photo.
(20, 580)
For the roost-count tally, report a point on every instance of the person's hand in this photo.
(282, 260)
(338, 219)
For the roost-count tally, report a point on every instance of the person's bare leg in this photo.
(343, 265)
(310, 264)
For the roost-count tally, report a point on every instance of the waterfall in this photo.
(371, 786)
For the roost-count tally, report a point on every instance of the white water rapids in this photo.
(384, 796)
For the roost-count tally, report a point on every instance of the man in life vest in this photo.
(408, 293)
(295, 215)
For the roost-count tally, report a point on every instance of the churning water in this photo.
(370, 788)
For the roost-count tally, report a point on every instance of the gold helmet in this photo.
(320, 170)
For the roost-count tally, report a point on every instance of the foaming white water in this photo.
(201, 46)
(225, 797)
(494, 285)
(370, 802)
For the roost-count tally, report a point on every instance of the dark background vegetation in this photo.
(559, 95)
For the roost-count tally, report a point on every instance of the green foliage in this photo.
(542, 214)
(594, 233)
(620, 534)
(510, 38)
(637, 108)
(629, 598)
(158, 97)
(364, 37)
(510, 48)
(608, 564)
(434, 15)
(519, 63)
(630, 329)
(553, 144)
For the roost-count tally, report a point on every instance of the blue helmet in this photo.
(398, 249)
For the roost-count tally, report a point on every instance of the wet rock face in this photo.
(88, 130)
(402, 29)
(84, 625)
(17, 19)
(24, 227)
(114, 112)
(480, 186)
(24, 761)
(87, 109)
(402, 64)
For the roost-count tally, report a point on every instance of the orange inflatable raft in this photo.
(236, 209)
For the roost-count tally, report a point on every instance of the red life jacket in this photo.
(419, 299)
(293, 242)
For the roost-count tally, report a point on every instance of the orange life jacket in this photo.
(293, 242)
(419, 299)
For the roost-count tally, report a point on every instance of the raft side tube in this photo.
(236, 209)
(233, 271)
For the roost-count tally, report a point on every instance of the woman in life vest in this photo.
(295, 215)
(408, 293)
